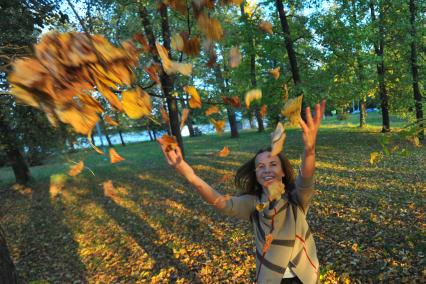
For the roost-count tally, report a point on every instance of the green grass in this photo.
(139, 221)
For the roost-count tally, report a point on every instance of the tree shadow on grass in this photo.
(146, 237)
(48, 252)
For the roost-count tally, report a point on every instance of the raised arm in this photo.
(305, 181)
(310, 131)
(174, 158)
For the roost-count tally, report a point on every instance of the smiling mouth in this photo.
(268, 178)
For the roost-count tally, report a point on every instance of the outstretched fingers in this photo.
(303, 125)
(309, 120)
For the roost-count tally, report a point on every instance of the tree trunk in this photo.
(106, 132)
(148, 129)
(362, 113)
(119, 131)
(7, 268)
(14, 156)
(414, 69)
(379, 48)
(166, 81)
(291, 53)
(225, 91)
(189, 119)
(259, 119)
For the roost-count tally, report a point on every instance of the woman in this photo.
(285, 249)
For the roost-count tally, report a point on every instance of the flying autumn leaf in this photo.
(164, 115)
(110, 121)
(292, 109)
(191, 47)
(114, 157)
(177, 42)
(255, 94)
(224, 152)
(263, 111)
(266, 27)
(172, 67)
(153, 71)
(76, 169)
(143, 41)
(233, 2)
(185, 113)
(234, 57)
(61, 78)
(136, 103)
(211, 27)
(168, 142)
(278, 138)
(213, 109)
(233, 101)
(275, 72)
(219, 125)
(89, 139)
(195, 100)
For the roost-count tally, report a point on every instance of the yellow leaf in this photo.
(266, 26)
(76, 169)
(195, 101)
(292, 109)
(275, 72)
(255, 94)
(171, 67)
(177, 42)
(374, 157)
(278, 138)
(234, 57)
(136, 103)
(210, 27)
(114, 157)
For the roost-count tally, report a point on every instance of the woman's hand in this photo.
(310, 128)
(174, 158)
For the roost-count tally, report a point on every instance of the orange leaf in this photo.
(268, 242)
(219, 125)
(233, 101)
(224, 152)
(185, 114)
(110, 121)
(114, 157)
(143, 41)
(255, 94)
(195, 101)
(76, 169)
(136, 103)
(275, 72)
(164, 115)
(192, 46)
(109, 95)
(177, 42)
(266, 27)
(153, 71)
(263, 111)
(234, 57)
(211, 110)
(229, 2)
(168, 142)
(278, 138)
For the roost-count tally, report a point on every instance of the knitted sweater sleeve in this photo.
(240, 206)
(304, 191)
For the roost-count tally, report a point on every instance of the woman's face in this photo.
(268, 168)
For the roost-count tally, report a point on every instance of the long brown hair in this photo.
(246, 181)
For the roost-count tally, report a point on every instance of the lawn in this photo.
(138, 221)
